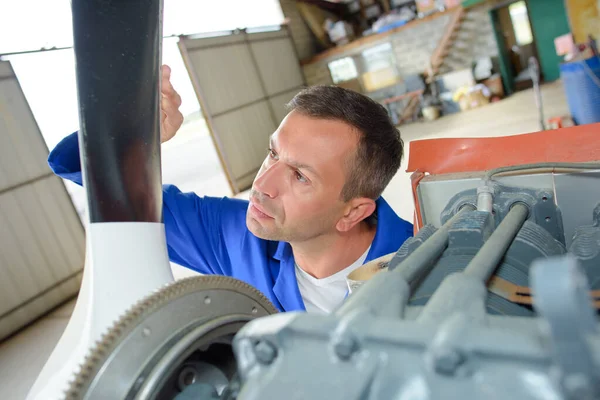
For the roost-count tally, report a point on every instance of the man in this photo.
(315, 212)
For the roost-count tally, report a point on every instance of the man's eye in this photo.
(272, 154)
(300, 177)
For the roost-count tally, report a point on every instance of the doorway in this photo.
(516, 43)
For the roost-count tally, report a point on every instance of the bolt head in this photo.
(447, 361)
(265, 352)
(345, 347)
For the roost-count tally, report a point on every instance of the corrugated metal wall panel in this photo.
(279, 73)
(194, 42)
(21, 160)
(239, 83)
(242, 82)
(39, 305)
(273, 34)
(278, 103)
(63, 219)
(42, 240)
(249, 149)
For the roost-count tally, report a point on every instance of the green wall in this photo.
(548, 20)
(470, 3)
(507, 76)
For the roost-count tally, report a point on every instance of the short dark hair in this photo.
(380, 148)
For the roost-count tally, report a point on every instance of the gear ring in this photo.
(123, 362)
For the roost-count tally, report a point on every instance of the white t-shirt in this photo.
(326, 294)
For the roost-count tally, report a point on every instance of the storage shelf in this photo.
(339, 50)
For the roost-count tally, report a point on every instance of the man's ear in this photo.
(356, 210)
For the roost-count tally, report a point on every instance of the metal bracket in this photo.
(542, 208)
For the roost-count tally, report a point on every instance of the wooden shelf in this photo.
(338, 50)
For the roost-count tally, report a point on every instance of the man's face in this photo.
(296, 194)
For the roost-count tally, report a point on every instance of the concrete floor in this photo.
(514, 115)
(190, 162)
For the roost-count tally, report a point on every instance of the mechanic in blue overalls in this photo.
(315, 212)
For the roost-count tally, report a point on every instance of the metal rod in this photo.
(388, 291)
(485, 262)
(415, 265)
(466, 292)
(117, 48)
(542, 167)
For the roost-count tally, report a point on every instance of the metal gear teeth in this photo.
(146, 305)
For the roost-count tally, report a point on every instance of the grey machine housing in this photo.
(427, 326)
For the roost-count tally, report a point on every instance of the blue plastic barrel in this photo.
(581, 80)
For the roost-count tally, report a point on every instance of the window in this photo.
(520, 20)
(343, 70)
(379, 57)
(380, 67)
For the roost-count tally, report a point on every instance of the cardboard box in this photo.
(379, 79)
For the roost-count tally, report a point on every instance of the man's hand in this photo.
(170, 116)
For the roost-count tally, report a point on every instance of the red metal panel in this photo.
(443, 156)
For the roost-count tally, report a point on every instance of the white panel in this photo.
(226, 77)
(19, 261)
(5, 70)
(42, 240)
(40, 250)
(10, 173)
(281, 72)
(280, 33)
(247, 180)
(243, 82)
(39, 306)
(245, 134)
(278, 103)
(22, 150)
(9, 283)
(56, 257)
(29, 263)
(198, 42)
(11, 321)
(65, 223)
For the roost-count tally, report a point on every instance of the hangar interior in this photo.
(441, 68)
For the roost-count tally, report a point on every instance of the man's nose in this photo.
(268, 180)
